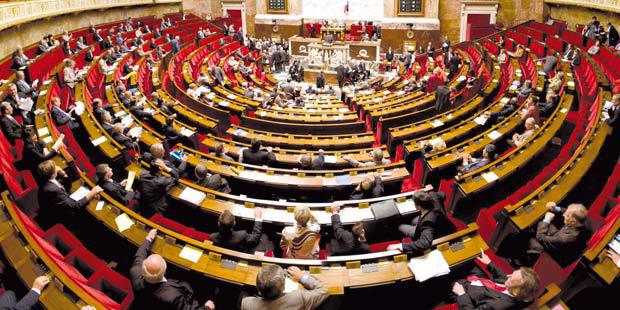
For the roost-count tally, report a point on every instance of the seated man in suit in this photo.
(240, 240)
(377, 159)
(9, 301)
(107, 123)
(159, 152)
(307, 162)
(220, 151)
(59, 207)
(114, 189)
(471, 163)
(212, 181)
(514, 291)
(255, 156)
(119, 134)
(35, 151)
(154, 187)
(152, 289)
(99, 108)
(369, 188)
(62, 117)
(11, 128)
(565, 244)
(270, 285)
(431, 224)
(347, 242)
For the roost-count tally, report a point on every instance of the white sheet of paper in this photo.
(43, 92)
(290, 285)
(505, 100)
(240, 132)
(400, 92)
(43, 131)
(377, 100)
(224, 103)
(242, 211)
(331, 159)
(47, 140)
(564, 110)
(191, 253)
(494, 135)
(79, 108)
(123, 222)
(274, 215)
(428, 266)
(437, 123)
(100, 205)
(79, 193)
(193, 196)
(490, 176)
(343, 110)
(119, 113)
(186, 132)
(131, 177)
(99, 140)
(210, 96)
(570, 84)
(461, 79)
(135, 132)
(231, 97)
(406, 206)
(322, 217)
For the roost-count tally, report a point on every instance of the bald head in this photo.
(154, 268)
(157, 150)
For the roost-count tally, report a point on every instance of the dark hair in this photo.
(226, 221)
(101, 171)
(255, 145)
(423, 200)
(491, 150)
(270, 281)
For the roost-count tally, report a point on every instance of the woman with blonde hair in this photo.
(302, 239)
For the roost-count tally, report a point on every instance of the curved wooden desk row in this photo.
(530, 209)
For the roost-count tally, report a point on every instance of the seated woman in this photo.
(302, 239)
(530, 129)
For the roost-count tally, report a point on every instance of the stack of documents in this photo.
(429, 266)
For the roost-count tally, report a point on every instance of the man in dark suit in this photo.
(35, 152)
(307, 162)
(59, 207)
(152, 289)
(514, 291)
(154, 186)
(612, 117)
(369, 188)
(565, 244)
(432, 223)
(157, 151)
(453, 63)
(442, 102)
(240, 240)
(347, 242)
(14, 97)
(340, 75)
(175, 45)
(277, 59)
(11, 129)
(114, 189)
(406, 59)
(389, 55)
(320, 81)
(255, 156)
(211, 181)
(62, 117)
(9, 301)
(612, 35)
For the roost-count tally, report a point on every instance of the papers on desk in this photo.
(607, 105)
(231, 97)
(494, 135)
(461, 79)
(274, 215)
(563, 110)
(400, 92)
(449, 116)
(119, 113)
(480, 120)
(193, 196)
(135, 132)
(148, 110)
(242, 211)
(330, 159)
(131, 176)
(47, 140)
(240, 132)
(339, 117)
(262, 113)
(377, 100)
(290, 285)
(191, 253)
(513, 87)
(224, 103)
(210, 96)
(505, 100)
(127, 121)
(352, 215)
(123, 222)
(26, 104)
(100, 205)
(429, 266)
(542, 72)
(99, 140)
(186, 132)
(406, 206)
(436, 123)
(386, 92)
(343, 110)
(43, 131)
(43, 92)
(406, 82)
(571, 84)
(490, 176)
(79, 193)
(337, 180)
(38, 111)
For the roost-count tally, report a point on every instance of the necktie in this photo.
(488, 283)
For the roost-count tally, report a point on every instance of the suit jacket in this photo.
(566, 244)
(614, 119)
(59, 207)
(258, 158)
(62, 118)
(24, 87)
(215, 182)
(429, 226)
(11, 129)
(239, 240)
(481, 297)
(317, 163)
(613, 35)
(375, 191)
(174, 44)
(344, 242)
(389, 56)
(320, 82)
(19, 61)
(26, 303)
(454, 63)
(481, 162)
(313, 294)
(33, 154)
(171, 294)
(442, 103)
(116, 191)
(153, 189)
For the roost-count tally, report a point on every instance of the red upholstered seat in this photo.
(111, 288)
(61, 238)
